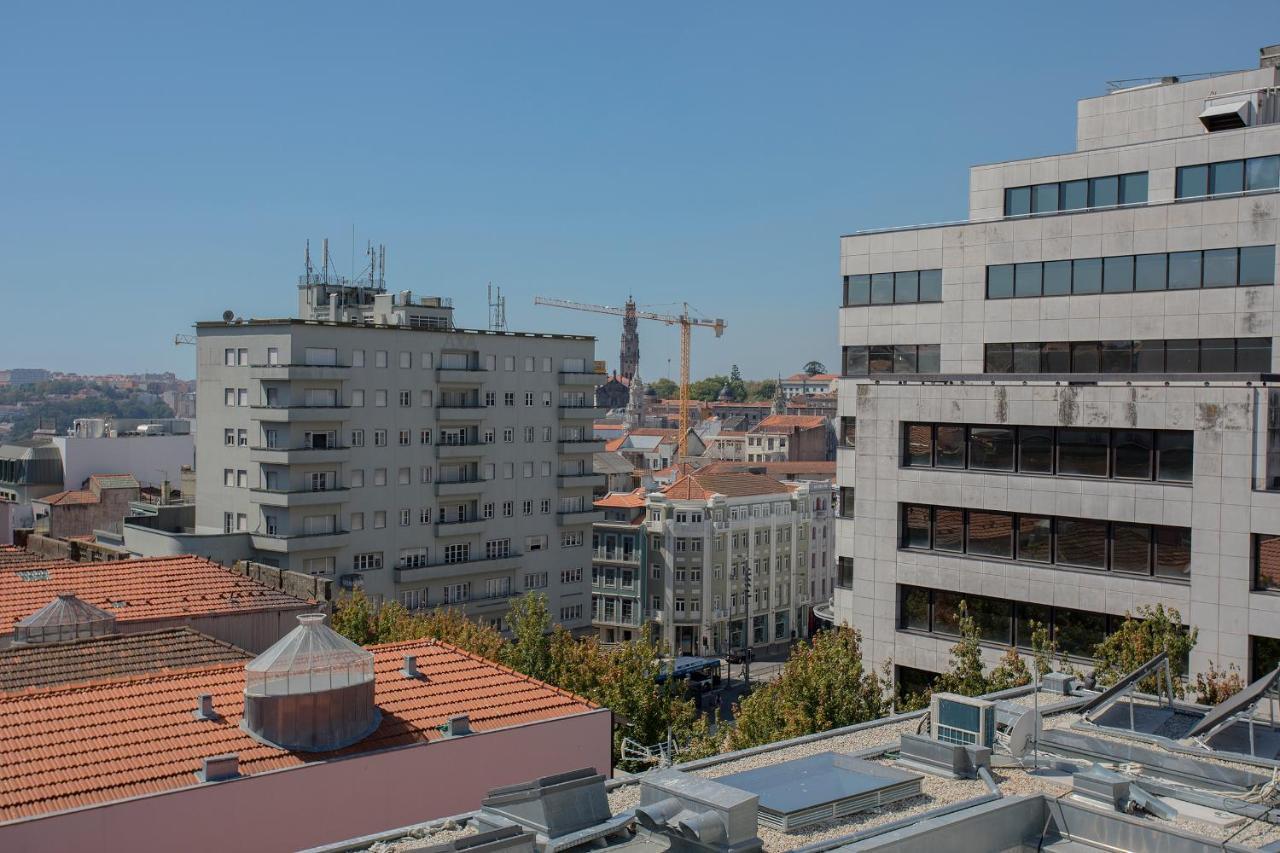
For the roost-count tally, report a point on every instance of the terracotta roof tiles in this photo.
(789, 423)
(68, 498)
(701, 485)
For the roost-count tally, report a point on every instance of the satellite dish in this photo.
(228, 316)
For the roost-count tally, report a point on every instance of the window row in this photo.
(1255, 174)
(1136, 549)
(1008, 623)
(1123, 454)
(896, 358)
(888, 288)
(1266, 561)
(1243, 267)
(1082, 194)
(1192, 355)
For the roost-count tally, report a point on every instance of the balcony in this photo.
(468, 450)
(579, 481)
(583, 446)
(586, 516)
(299, 413)
(617, 555)
(470, 527)
(472, 412)
(461, 375)
(474, 566)
(454, 488)
(296, 542)
(580, 379)
(299, 455)
(297, 497)
(582, 413)
(288, 372)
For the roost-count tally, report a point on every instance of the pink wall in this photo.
(329, 802)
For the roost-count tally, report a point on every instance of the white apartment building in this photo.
(1066, 407)
(735, 559)
(371, 440)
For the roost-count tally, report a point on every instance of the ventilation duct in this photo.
(1228, 115)
(64, 618)
(312, 691)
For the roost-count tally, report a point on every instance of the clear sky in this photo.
(162, 163)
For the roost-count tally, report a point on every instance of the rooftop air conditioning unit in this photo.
(962, 720)
(1227, 115)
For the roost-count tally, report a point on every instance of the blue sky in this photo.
(162, 163)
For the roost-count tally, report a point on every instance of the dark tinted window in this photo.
(1026, 280)
(1117, 274)
(946, 613)
(1055, 357)
(1026, 357)
(1086, 276)
(1000, 281)
(1035, 450)
(1029, 618)
(858, 290)
(855, 361)
(999, 358)
(1173, 553)
(1133, 452)
(1253, 355)
(844, 572)
(1077, 631)
(1182, 356)
(1148, 356)
(931, 285)
(915, 526)
(906, 287)
(950, 446)
(1017, 201)
(993, 619)
(1035, 538)
(1104, 191)
(1131, 548)
(1258, 265)
(1075, 195)
(948, 529)
(1116, 357)
(929, 358)
(991, 448)
(1044, 198)
(1220, 268)
(1173, 456)
(1264, 656)
(1184, 270)
(1133, 188)
(919, 445)
(1192, 181)
(991, 534)
(1262, 173)
(1085, 357)
(1218, 355)
(1266, 561)
(1057, 278)
(914, 611)
(904, 359)
(880, 360)
(849, 432)
(1150, 272)
(1082, 543)
(1083, 452)
(882, 288)
(1226, 177)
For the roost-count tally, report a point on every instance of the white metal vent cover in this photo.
(1227, 115)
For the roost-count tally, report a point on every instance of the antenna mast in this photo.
(325, 262)
(497, 309)
(307, 261)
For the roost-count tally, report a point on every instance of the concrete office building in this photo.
(1066, 406)
(370, 440)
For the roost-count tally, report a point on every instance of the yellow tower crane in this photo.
(685, 320)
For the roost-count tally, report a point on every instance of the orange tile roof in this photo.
(771, 468)
(790, 423)
(614, 443)
(701, 485)
(622, 500)
(137, 590)
(68, 498)
(805, 377)
(71, 747)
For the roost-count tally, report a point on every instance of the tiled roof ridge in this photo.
(166, 676)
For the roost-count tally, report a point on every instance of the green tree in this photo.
(1011, 671)
(1216, 685)
(356, 619)
(965, 674)
(812, 368)
(530, 648)
(762, 390)
(666, 389)
(706, 389)
(1140, 638)
(353, 617)
(822, 686)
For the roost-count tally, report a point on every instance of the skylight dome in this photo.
(64, 618)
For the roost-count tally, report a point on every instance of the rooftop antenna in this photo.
(382, 262)
(325, 261)
(497, 309)
(307, 261)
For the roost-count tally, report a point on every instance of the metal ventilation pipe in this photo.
(204, 707)
(410, 669)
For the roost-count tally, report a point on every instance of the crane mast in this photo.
(685, 320)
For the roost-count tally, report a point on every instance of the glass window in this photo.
(1081, 543)
(904, 358)
(1132, 454)
(1116, 357)
(1117, 274)
(1131, 548)
(855, 361)
(1184, 270)
(931, 285)
(1055, 357)
(1226, 177)
(1075, 195)
(1057, 278)
(1217, 355)
(949, 446)
(990, 534)
(1266, 561)
(1104, 191)
(991, 448)
(1193, 181)
(1182, 356)
(915, 608)
(1035, 450)
(1017, 201)
(1220, 268)
(1173, 552)
(1044, 198)
(1253, 355)
(1083, 452)
(1133, 188)
(1262, 173)
(1000, 281)
(858, 290)
(918, 450)
(915, 526)
(1028, 618)
(1150, 272)
(1077, 631)
(1264, 656)
(1148, 356)
(906, 287)
(1086, 275)
(948, 529)
(993, 618)
(1027, 279)
(1173, 456)
(999, 358)
(929, 358)
(946, 612)
(1035, 538)
(1026, 357)
(880, 360)
(1258, 265)
(1085, 357)
(882, 288)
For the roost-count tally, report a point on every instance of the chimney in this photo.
(457, 726)
(219, 768)
(204, 707)
(410, 669)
